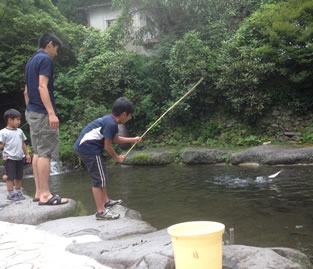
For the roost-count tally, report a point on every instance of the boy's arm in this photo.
(45, 98)
(109, 149)
(1, 145)
(121, 139)
(26, 153)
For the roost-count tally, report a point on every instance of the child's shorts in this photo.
(14, 169)
(45, 140)
(96, 169)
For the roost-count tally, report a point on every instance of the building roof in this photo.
(108, 4)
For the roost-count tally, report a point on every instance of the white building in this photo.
(101, 16)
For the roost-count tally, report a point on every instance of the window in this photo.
(109, 22)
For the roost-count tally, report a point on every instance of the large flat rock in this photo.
(274, 155)
(25, 247)
(29, 212)
(246, 257)
(128, 224)
(154, 251)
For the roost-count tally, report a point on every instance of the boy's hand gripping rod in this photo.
(177, 102)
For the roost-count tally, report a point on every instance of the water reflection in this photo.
(264, 212)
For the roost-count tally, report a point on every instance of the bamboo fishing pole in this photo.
(177, 102)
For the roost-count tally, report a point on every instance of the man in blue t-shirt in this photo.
(96, 137)
(41, 116)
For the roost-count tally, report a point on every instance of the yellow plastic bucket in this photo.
(197, 244)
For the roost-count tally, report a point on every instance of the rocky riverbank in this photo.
(260, 155)
(128, 242)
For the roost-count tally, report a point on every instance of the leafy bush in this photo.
(267, 61)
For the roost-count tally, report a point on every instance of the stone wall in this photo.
(290, 125)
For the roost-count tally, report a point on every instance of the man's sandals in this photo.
(54, 200)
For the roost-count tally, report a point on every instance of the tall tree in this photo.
(22, 22)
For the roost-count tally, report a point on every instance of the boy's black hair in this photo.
(121, 105)
(11, 114)
(46, 38)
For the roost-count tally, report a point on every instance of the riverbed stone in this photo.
(154, 251)
(273, 155)
(132, 243)
(151, 157)
(29, 212)
(128, 224)
(244, 257)
(204, 156)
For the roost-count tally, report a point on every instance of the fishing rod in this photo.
(177, 102)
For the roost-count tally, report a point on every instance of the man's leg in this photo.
(43, 169)
(35, 172)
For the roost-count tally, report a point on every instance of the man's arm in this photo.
(26, 95)
(109, 149)
(45, 98)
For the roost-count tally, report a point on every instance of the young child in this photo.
(99, 135)
(12, 141)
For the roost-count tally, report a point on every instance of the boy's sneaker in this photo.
(20, 196)
(13, 197)
(112, 203)
(106, 215)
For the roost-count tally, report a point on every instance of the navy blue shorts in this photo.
(14, 169)
(96, 169)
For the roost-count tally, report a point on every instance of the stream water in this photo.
(264, 212)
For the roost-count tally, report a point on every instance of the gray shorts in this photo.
(96, 169)
(45, 140)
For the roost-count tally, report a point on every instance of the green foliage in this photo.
(212, 131)
(253, 54)
(267, 61)
(306, 136)
(190, 59)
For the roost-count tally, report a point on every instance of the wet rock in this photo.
(243, 257)
(127, 225)
(204, 156)
(156, 157)
(274, 155)
(152, 250)
(29, 212)
(295, 256)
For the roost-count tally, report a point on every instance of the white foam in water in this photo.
(240, 182)
(55, 168)
(261, 180)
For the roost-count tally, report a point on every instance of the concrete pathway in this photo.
(25, 247)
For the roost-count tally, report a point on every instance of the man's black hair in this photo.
(11, 114)
(46, 38)
(121, 105)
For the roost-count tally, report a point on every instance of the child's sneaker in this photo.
(112, 203)
(13, 197)
(20, 196)
(106, 215)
